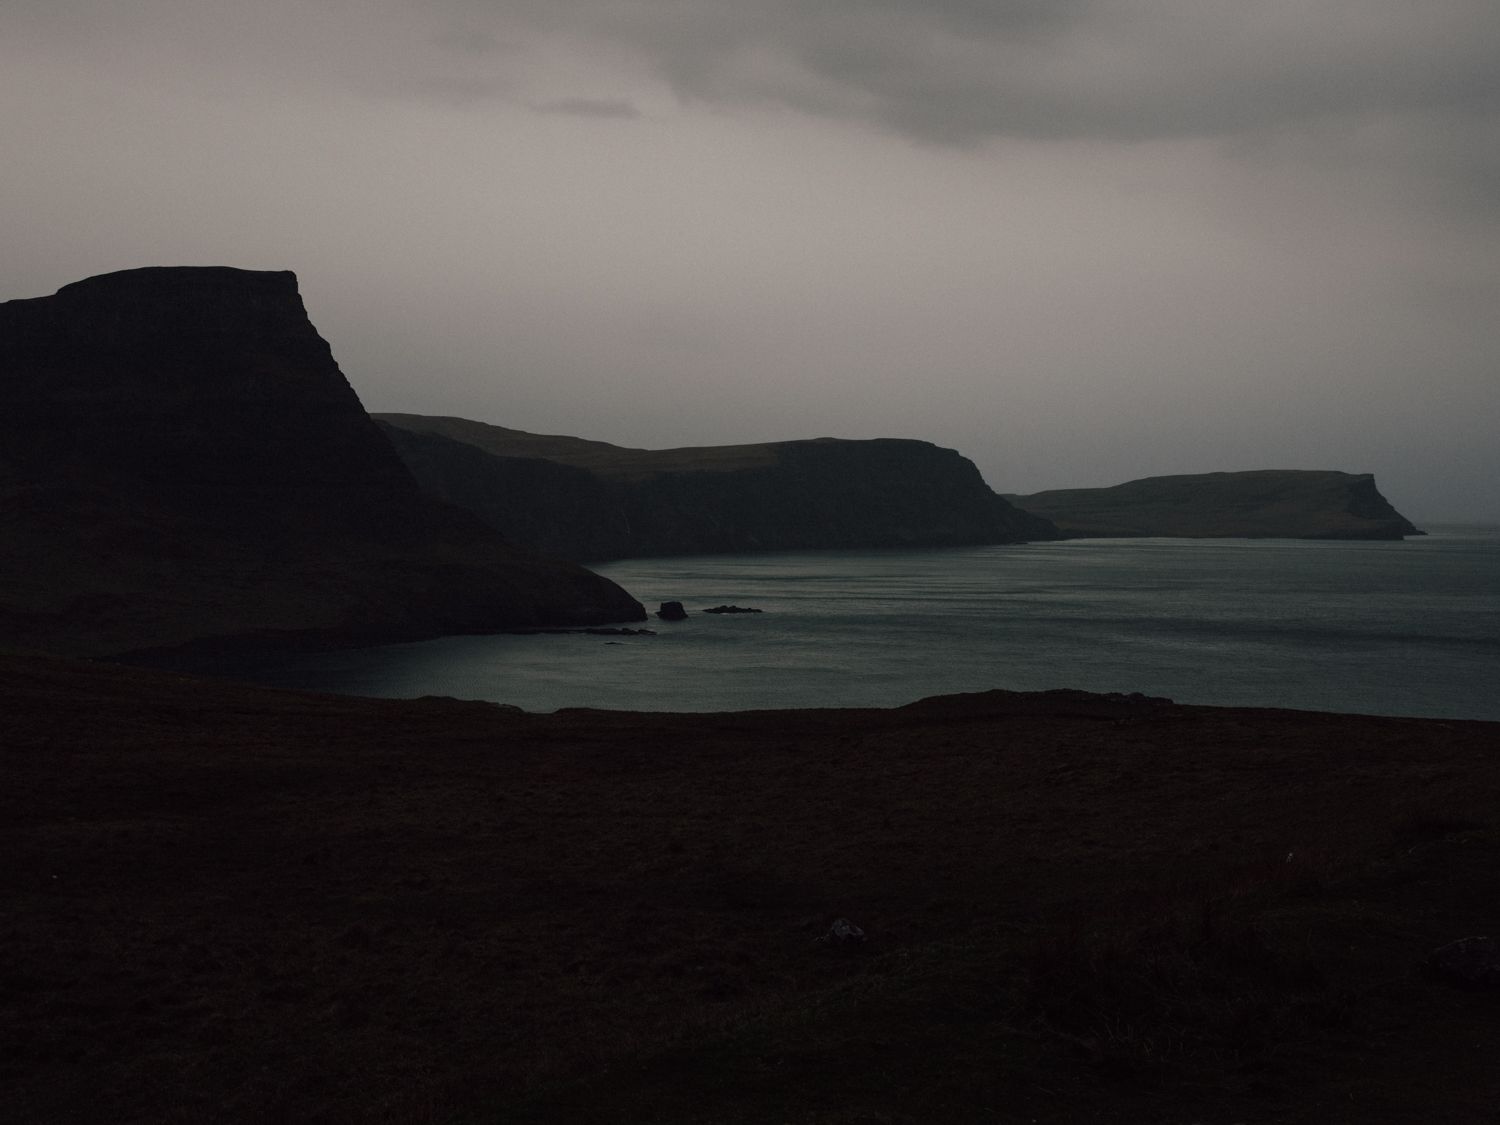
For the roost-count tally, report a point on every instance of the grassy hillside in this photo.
(589, 501)
(611, 462)
(225, 903)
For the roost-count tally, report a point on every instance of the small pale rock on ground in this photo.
(844, 932)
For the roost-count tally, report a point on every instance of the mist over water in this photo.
(1399, 628)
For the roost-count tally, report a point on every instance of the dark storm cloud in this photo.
(960, 70)
(1386, 85)
(945, 71)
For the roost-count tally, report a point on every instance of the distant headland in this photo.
(590, 501)
(1266, 504)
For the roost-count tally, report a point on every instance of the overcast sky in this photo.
(1081, 242)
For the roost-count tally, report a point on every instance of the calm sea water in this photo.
(1404, 628)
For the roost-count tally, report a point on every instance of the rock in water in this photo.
(183, 463)
(672, 611)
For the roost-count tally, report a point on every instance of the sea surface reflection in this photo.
(1402, 628)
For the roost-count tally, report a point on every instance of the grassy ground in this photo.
(223, 903)
(1302, 1006)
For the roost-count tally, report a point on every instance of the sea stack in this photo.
(183, 463)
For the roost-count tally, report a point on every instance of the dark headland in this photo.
(590, 501)
(1270, 503)
(182, 462)
(222, 903)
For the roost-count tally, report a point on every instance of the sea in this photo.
(1386, 628)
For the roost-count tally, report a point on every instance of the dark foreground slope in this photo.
(587, 500)
(1271, 503)
(181, 461)
(232, 904)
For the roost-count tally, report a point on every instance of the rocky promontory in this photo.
(591, 501)
(183, 463)
(1265, 504)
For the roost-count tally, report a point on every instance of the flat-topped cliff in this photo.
(181, 462)
(1266, 504)
(591, 501)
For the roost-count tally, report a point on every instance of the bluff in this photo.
(183, 463)
(590, 501)
(1266, 504)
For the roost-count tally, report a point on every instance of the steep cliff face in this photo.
(181, 461)
(593, 501)
(825, 493)
(1271, 503)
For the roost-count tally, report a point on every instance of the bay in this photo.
(1390, 628)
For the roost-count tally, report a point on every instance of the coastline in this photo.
(1363, 627)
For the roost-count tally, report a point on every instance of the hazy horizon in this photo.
(1080, 242)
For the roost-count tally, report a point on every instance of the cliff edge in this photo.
(591, 501)
(183, 463)
(1266, 504)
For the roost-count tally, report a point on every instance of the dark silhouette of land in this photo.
(590, 501)
(1266, 504)
(182, 462)
(222, 903)
(235, 904)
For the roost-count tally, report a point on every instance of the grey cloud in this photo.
(468, 41)
(958, 70)
(589, 107)
(944, 71)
